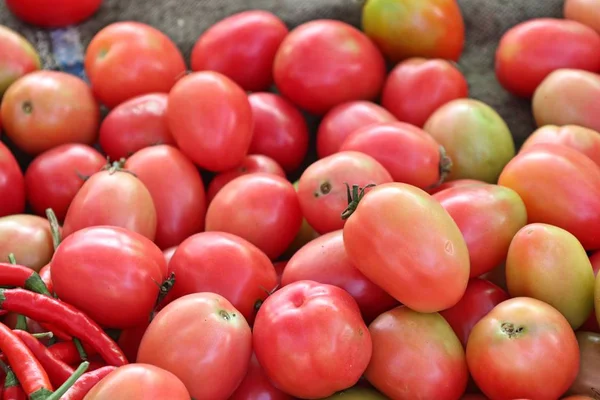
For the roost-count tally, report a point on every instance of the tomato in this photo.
(417, 87)
(344, 119)
(280, 130)
(115, 198)
(12, 184)
(28, 237)
(54, 177)
(301, 316)
(177, 192)
(55, 13)
(304, 235)
(135, 124)
(242, 47)
(322, 190)
(129, 59)
(45, 109)
(584, 11)
(408, 153)
(130, 339)
(452, 184)
(324, 63)
(577, 397)
(357, 394)
(168, 253)
(551, 178)
(208, 261)
(211, 120)
(46, 276)
(20, 58)
(591, 324)
(415, 28)
(280, 267)
(261, 208)
(200, 338)
(488, 217)
(256, 386)
(475, 137)
(587, 381)
(405, 242)
(424, 344)
(324, 260)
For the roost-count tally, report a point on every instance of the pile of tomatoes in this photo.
(419, 254)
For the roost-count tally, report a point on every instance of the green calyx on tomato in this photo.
(511, 330)
(354, 197)
(445, 167)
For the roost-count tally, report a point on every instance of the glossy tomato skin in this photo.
(28, 237)
(53, 14)
(242, 47)
(300, 316)
(208, 261)
(451, 184)
(130, 339)
(256, 386)
(45, 109)
(316, 51)
(416, 87)
(527, 52)
(584, 11)
(177, 192)
(19, 57)
(550, 178)
(154, 63)
(54, 177)
(46, 276)
(12, 184)
(280, 131)
(517, 337)
(211, 120)
(200, 338)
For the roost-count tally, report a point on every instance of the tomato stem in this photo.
(163, 290)
(354, 197)
(445, 165)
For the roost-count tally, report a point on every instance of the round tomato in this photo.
(256, 386)
(12, 184)
(242, 47)
(417, 87)
(55, 13)
(587, 381)
(45, 109)
(28, 237)
(200, 338)
(168, 253)
(129, 59)
(19, 58)
(584, 11)
(523, 348)
(316, 51)
(451, 184)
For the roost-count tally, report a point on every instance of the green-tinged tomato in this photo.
(18, 57)
(357, 393)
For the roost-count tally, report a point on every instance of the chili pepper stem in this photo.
(36, 284)
(43, 335)
(11, 379)
(58, 393)
(80, 349)
(54, 227)
(21, 323)
(12, 259)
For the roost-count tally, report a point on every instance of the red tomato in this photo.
(451, 184)
(54, 177)
(12, 184)
(168, 253)
(280, 130)
(261, 208)
(323, 63)
(54, 13)
(256, 386)
(135, 124)
(584, 11)
(45, 109)
(591, 324)
(19, 58)
(323, 324)
(527, 52)
(211, 120)
(110, 273)
(242, 47)
(322, 191)
(130, 339)
(417, 87)
(28, 237)
(200, 338)
(424, 344)
(280, 267)
(324, 260)
(153, 62)
(523, 348)
(46, 276)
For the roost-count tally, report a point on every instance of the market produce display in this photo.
(311, 211)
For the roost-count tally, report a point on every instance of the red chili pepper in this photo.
(23, 277)
(58, 333)
(46, 277)
(86, 383)
(67, 352)
(11, 388)
(47, 309)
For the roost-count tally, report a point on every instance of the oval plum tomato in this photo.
(344, 119)
(315, 52)
(527, 52)
(415, 28)
(251, 164)
(405, 340)
(19, 58)
(404, 241)
(551, 178)
(177, 192)
(523, 348)
(584, 11)
(587, 381)
(256, 386)
(242, 47)
(211, 120)
(114, 198)
(409, 154)
(28, 237)
(324, 260)
(135, 124)
(479, 299)
(488, 216)
(261, 208)
(322, 191)
(357, 393)
(200, 338)
(208, 261)
(45, 109)
(154, 63)
(54, 177)
(12, 184)
(124, 274)
(280, 131)
(300, 316)
(475, 137)
(55, 13)
(452, 184)
(417, 87)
